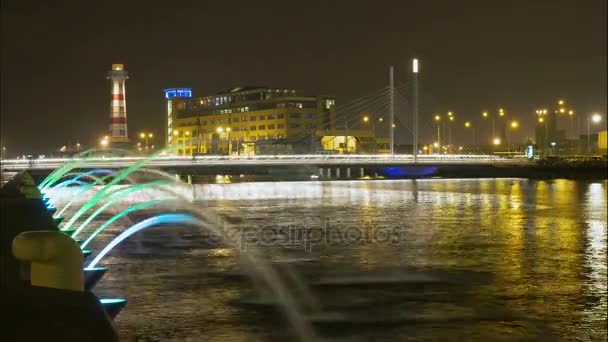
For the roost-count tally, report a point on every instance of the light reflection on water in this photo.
(542, 242)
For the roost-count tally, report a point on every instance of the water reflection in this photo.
(542, 242)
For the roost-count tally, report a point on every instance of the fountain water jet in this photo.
(102, 193)
(123, 192)
(258, 266)
(118, 216)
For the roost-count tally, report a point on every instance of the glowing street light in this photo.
(594, 118)
(438, 120)
(514, 124)
(496, 141)
(219, 130)
(145, 136)
(365, 119)
(467, 124)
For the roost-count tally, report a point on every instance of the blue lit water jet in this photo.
(186, 219)
(258, 266)
(116, 217)
(116, 195)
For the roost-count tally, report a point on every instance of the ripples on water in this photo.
(403, 260)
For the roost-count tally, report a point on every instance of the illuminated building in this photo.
(353, 141)
(245, 120)
(602, 142)
(118, 105)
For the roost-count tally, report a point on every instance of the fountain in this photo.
(255, 265)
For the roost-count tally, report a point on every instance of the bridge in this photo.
(261, 161)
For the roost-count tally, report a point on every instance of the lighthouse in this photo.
(118, 106)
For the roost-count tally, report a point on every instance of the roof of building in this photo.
(241, 88)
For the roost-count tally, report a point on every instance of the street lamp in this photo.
(438, 121)
(486, 115)
(513, 125)
(595, 118)
(469, 125)
(145, 136)
(496, 141)
(367, 119)
(450, 119)
(104, 141)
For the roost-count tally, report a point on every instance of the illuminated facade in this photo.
(246, 120)
(353, 141)
(118, 105)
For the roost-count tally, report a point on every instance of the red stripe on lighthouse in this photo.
(118, 96)
(118, 120)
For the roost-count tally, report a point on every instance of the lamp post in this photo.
(469, 125)
(595, 118)
(546, 142)
(449, 123)
(104, 142)
(513, 125)
(145, 136)
(438, 121)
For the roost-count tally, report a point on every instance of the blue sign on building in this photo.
(177, 92)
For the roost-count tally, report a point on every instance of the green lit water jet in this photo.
(114, 196)
(118, 216)
(79, 175)
(102, 193)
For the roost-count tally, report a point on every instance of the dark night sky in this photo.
(475, 54)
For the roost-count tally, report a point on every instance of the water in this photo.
(489, 259)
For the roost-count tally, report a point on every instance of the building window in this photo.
(329, 103)
(281, 126)
(271, 116)
(294, 125)
(308, 116)
(252, 128)
(271, 126)
(280, 116)
(244, 119)
(295, 115)
(262, 127)
(298, 105)
(252, 118)
(262, 117)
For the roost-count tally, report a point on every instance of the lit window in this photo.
(252, 118)
(271, 116)
(308, 116)
(295, 115)
(262, 117)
